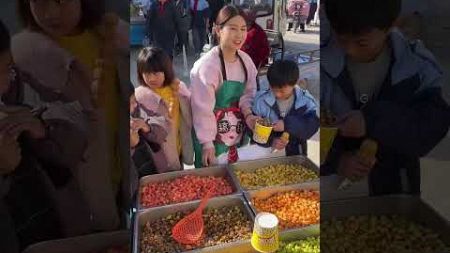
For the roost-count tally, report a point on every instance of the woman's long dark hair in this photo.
(225, 14)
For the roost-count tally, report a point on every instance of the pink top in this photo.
(206, 79)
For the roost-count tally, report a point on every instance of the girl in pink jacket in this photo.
(164, 95)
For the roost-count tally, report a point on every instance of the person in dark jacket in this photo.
(288, 107)
(200, 20)
(256, 44)
(162, 25)
(382, 87)
(214, 7)
(184, 21)
(312, 10)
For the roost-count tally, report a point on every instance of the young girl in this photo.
(223, 79)
(160, 92)
(75, 50)
(148, 132)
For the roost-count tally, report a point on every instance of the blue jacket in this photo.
(301, 122)
(407, 119)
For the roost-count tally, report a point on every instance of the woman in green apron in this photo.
(223, 85)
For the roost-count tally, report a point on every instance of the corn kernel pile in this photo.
(293, 208)
(280, 174)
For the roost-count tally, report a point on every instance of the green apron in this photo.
(227, 100)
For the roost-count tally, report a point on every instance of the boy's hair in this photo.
(153, 59)
(91, 13)
(5, 38)
(359, 16)
(282, 73)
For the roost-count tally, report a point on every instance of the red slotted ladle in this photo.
(189, 230)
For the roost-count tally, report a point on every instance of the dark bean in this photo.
(222, 225)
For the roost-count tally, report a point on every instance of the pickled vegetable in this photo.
(185, 188)
(308, 245)
(280, 174)
(222, 225)
(378, 234)
(294, 208)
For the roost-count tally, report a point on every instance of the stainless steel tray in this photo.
(158, 212)
(82, 244)
(217, 171)
(411, 207)
(251, 166)
(267, 192)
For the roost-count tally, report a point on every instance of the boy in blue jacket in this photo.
(290, 108)
(382, 87)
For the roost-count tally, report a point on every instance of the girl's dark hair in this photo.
(91, 13)
(153, 59)
(282, 73)
(5, 38)
(228, 12)
(359, 16)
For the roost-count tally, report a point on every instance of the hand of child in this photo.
(279, 144)
(250, 120)
(134, 138)
(353, 168)
(209, 156)
(279, 126)
(139, 124)
(23, 121)
(10, 153)
(352, 124)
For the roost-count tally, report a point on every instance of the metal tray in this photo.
(411, 207)
(287, 236)
(155, 213)
(251, 166)
(82, 244)
(217, 171)
(267, 192)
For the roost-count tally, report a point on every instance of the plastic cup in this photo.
(265, 236)
(262, 133)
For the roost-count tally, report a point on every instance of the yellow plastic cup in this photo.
(262, 133)
(327, 135)
(265, 236)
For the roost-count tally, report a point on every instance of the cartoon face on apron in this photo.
(230, 121)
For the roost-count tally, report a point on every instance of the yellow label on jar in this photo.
(265, 233)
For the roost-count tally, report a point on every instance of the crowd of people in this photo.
(63, 171)
(220, 105)
(169, 22)
(64, 168)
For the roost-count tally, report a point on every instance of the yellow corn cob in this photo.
(285, 136)
(368, 150)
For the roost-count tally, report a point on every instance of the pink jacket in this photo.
(150, 101)
(304, 11)
(206, 79)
